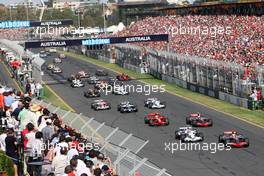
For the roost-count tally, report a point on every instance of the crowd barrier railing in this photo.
(122, 148)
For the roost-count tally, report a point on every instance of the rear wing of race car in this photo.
(186, 128)
(230, 132)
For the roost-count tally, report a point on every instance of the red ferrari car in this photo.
(123, 77)
(155, 119)
(233, 139)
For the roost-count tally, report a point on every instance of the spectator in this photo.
(38, 89)
(43, 119)
(8, 100)
(11, 148)
(60, 162)
(29, 127)
(35, 155)
(2, 140)
(61, 144)
(47, 131)
(72, 152)
(2, 104)
(69, 171)
(26, 116)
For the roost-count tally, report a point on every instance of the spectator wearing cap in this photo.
(60, 162)
(47, 131)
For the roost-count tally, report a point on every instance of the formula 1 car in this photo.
(50, 66)
(197, 120)
(100, 105)
(57, 60)
(100, 72)
(72, 77)
(233, 139)
(93, 80)
(76, 83)
(52, 50)
(119, 90)
(126, 107)
(123, 77)
(154, 103)
(83, 74)
(56, 69)
(62, 56)
(189, 134)
(102, 85)
(42, 54)
(92, 93)
(155, 119)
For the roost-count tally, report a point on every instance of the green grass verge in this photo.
(6, 165)
(53, 98)
(256, 117)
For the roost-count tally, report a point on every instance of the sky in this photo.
(6, 2)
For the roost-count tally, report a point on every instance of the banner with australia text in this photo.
(97, 41)
(27, 24)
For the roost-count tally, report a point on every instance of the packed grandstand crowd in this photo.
(13, 34)
(241, 43)
(50, 147)
(231, 38)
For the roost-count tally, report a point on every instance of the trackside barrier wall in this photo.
(122, 148)
(202, 75)
(243, 102)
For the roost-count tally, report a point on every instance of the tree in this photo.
(88, 21)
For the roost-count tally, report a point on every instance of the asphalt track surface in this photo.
(236, 162)
(5, 78)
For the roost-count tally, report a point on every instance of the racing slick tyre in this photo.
(211, 122)
(188, 120)
(167, 122)
(220, 139)
(151, 123)
(176, 135)
(247, 140)
(146, 121)
(201, 135)
(182, 138)
(149, 105)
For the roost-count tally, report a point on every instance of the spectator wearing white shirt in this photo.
(60, 162)
(72, 152)
(61, 144)
(2, 140)
(36, 154)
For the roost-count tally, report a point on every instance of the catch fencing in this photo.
(122, 148)
(226, 81)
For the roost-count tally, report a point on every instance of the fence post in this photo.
(97, 129)
(137, 166)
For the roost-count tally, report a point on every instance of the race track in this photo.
(236, 162)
